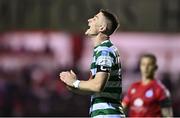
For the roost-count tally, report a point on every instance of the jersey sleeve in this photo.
(104, 61)
(163, 96)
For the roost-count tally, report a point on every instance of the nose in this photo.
(89, 20)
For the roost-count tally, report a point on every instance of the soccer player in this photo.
(148, 97)
(105, 83)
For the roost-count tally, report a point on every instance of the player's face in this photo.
(147, 67)
(95, 24)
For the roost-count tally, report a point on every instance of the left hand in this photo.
(68, 77)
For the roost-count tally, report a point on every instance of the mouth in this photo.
(89, 24)
(88, 29)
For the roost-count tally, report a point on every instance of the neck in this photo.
(98, 39)
(146, 80)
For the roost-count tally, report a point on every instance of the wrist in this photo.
(76, 84)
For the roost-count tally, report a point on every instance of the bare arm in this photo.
(95, 85)
(85, 87)
(167, 112)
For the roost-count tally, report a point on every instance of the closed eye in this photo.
(96, 17)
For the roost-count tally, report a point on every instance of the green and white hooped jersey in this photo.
(106, 103)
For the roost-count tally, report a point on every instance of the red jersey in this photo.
(145, 100)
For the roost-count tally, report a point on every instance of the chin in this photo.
(87, 32)
(90, 32)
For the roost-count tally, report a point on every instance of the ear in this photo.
(103, 28)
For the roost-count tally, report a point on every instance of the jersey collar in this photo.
(102, 43)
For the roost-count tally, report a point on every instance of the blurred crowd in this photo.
(29, 82)
(35, 91)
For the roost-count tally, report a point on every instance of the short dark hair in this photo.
(151, 56)
(113, 19)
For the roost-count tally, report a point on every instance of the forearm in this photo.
(78, 91)
(92, 86)
(89, 86)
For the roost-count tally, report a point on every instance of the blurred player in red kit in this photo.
(148, 97)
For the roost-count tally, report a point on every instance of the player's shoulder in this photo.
(104, 51)
(136, 84)
(158, 84)
(160, 87)
(104, 46)
(101, 49)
